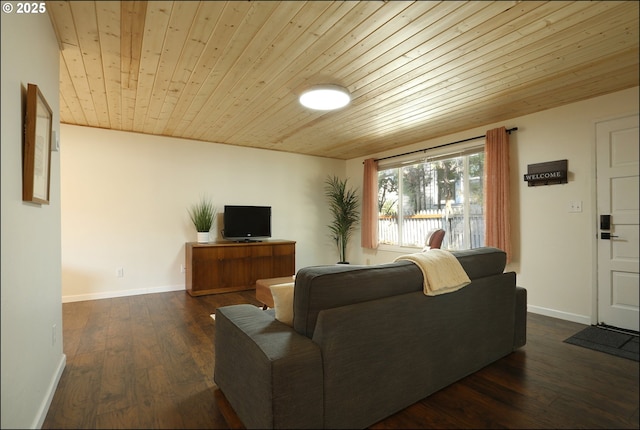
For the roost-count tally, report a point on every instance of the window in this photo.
(445, 192)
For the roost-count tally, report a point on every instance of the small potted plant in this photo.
(343, 204)
(203, 214)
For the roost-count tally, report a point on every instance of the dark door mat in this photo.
(619, 342)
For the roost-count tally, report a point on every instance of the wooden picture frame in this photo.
(36, 171)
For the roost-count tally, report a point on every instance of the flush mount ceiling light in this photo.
(325, 97)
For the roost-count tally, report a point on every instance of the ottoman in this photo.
(263, 289)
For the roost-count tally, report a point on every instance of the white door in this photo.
(617, 196)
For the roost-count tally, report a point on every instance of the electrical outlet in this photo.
(182, 268)
(575, 206)
(120, 272)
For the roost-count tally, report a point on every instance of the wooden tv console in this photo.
(225, 266)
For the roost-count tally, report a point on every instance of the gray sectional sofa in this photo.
(366, 342)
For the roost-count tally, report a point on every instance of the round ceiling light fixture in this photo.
(325, 97)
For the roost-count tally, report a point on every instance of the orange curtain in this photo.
(497, 212)
(369, 222)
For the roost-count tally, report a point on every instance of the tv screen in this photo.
(246, 223)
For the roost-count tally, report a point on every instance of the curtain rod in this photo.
(509, 130)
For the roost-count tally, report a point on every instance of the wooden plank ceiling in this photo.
(231, 72)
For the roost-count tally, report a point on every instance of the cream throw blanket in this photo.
(441, 270)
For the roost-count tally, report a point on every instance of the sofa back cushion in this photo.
(482, 262)
(326, 287)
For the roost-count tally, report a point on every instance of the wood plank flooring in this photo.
(147, 362)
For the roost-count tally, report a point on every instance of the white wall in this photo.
(125, 198)
(31, 289)
(554, 250)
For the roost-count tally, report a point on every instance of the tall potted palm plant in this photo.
(343, 204)
(202, 215)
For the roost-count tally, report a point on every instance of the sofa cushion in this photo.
(326, 287)
(481, 262)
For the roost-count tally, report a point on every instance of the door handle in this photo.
(607, 236)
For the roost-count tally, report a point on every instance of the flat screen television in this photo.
(246, 223)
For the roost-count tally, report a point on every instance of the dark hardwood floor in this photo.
(147, 362)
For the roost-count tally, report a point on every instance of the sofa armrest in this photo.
(270, 374)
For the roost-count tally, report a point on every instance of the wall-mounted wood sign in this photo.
(549, 173)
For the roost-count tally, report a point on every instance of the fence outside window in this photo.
(415, 228)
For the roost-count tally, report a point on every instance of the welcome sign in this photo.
(549, 173)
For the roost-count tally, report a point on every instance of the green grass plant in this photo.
(202, 214)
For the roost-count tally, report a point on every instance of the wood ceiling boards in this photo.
(231, 72)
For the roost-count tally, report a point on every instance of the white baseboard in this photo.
(567, 316)
(51, 391)
(122, 293)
